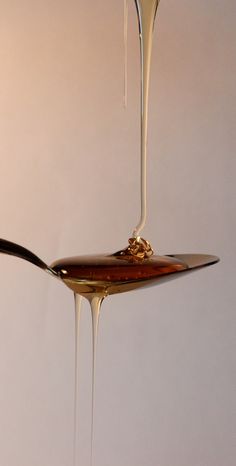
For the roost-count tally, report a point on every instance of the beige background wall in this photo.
(69, 185)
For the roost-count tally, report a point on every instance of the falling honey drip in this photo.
(78, 300)
(125, 52)
(146, 10)
(95, 304)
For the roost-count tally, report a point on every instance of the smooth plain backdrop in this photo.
(69, 185)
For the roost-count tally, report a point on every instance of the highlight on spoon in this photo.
(13, 249)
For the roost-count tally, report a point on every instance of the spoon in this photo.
(109, 274)
(13, 249)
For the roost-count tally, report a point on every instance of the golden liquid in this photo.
(146, 10)
(125, 51)
(78, 299)
(103, 275)
(95, 304)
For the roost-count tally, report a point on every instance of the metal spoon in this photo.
(110, 274)
(82, 273)
(13, 249)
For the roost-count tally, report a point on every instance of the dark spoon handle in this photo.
(13, 249)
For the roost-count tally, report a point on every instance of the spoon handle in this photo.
(13, 249)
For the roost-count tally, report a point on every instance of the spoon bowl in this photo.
(110, 274)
